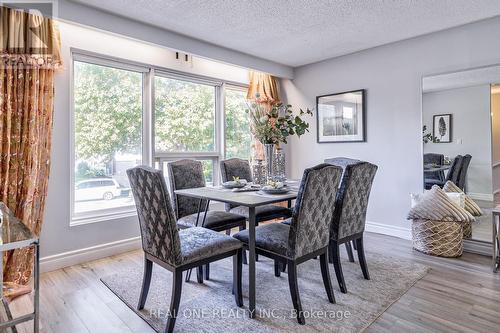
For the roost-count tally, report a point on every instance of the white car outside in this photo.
(97, 189)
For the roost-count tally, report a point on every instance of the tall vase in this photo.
(269, 154)
(279, 173)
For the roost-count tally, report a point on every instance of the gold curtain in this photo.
(30, 52)
(266, 87)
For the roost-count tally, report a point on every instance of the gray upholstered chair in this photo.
(462, 177)
(188, 173)
(436, 159)
(350, 212)
(453, 174)
(307, 234)
(236, 167)
(175, 250)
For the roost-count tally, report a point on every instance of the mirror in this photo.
(461, 139)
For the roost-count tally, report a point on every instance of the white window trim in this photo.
(149, 154)
(109, 213)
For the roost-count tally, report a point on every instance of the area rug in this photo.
(210, 307)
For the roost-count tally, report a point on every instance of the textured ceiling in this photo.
(298, 32)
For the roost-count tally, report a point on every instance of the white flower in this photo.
(264, 119)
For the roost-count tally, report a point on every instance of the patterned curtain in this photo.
(266, 87)
(30, 52)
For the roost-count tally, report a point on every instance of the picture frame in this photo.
(442, 128)
(341, 117)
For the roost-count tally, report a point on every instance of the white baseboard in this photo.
(481, 196)
(387, 229)
(478, 247)
(61, 260)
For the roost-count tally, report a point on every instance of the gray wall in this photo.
(471, 132)
(392, 75)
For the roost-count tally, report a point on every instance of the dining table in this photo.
(435, 167)
(252, 199)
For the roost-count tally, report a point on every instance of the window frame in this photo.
(106, 213)
(149, 153)
(228, 86)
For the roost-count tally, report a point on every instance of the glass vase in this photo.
(279, 165)
(269, 155)
(259, 172)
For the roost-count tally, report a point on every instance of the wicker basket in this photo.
(438, 238)
(467, 230)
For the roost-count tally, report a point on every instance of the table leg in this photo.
(495, 242)
(251, 261)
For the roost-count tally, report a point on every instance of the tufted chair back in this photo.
(352, 199)
(235, 167)
(157, 222)
(314, 208)
(185, 174)
(454, 171)
(463, 172)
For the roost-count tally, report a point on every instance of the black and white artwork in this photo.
(442, 128)
(341, 117)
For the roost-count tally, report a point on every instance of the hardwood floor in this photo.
(457, 295)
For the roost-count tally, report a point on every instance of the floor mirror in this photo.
(461, 141)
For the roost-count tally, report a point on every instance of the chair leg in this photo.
(277, 268)
(244, 251)
(349, 251)
(237, 272)
(228, 232)
(325, 274)
(362, 259)
(294, 291)
(199, 274)
(354, 245)
(334, 248)
(283, 267)
(174, 300)
(256, 255)
(146, 282)
(207, 272)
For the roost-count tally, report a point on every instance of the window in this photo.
(184, 116)
(117, 125)
(185, 122)
(238, 137)
(107, 136)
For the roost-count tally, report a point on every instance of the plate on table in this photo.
(272, 190)
(235, 184)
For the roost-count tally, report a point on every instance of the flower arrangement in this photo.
(274, 125)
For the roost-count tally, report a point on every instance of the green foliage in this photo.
(184, 116)
(108, 112)
(274, 126)
(238, 136)
(85, 171)
(428, 137)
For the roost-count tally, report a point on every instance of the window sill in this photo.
(101, 217)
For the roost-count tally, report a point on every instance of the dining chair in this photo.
(438, 160)
(187, 173)
(173, 249)
(307, 235)
(236, 167)
(343, 162)
(462, 177)
(453, 174)
(349, 217)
